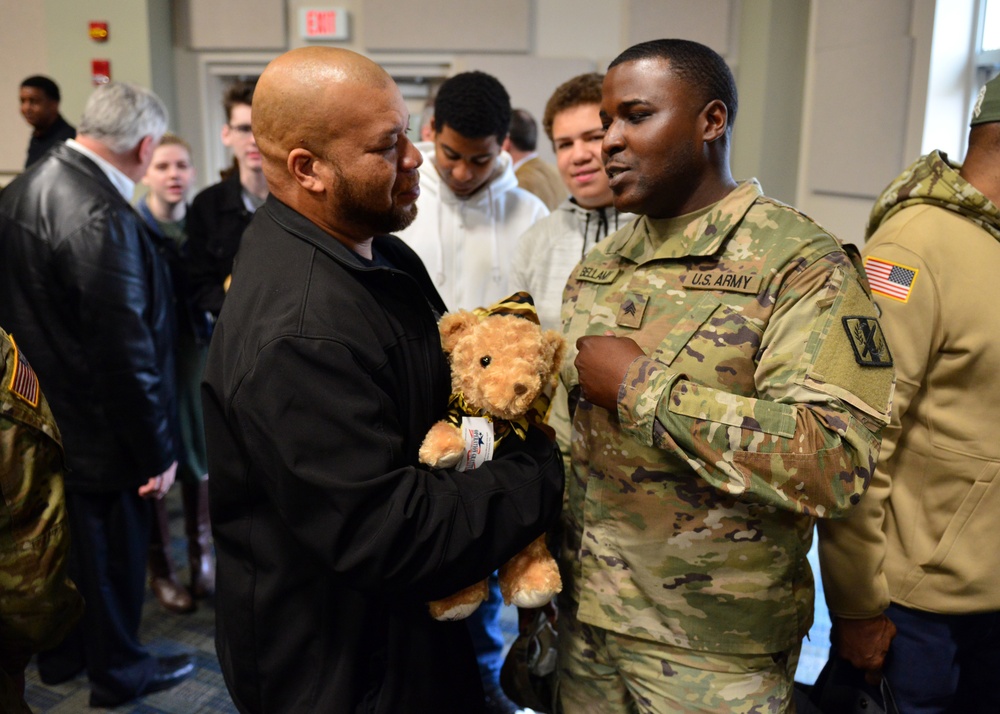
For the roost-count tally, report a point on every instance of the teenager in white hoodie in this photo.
(547, 253)
(470, 212)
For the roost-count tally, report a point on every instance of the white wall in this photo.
(866, 79)
(52, 37)
(25, 53)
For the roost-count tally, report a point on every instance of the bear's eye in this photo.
(485, 361)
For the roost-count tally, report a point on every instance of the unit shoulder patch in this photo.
(867, 341)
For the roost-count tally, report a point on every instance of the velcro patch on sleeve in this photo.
(853, 360)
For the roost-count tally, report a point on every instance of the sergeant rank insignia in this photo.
(867, 341)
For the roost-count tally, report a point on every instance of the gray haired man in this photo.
(89, 303)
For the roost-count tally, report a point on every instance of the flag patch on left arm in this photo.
(23, 382)
(890, 279)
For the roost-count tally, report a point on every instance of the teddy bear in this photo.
(503, 371)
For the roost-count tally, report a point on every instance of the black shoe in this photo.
(53, 675)
(499, 703)
(169, 671)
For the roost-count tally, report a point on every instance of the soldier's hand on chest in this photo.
(602, 362)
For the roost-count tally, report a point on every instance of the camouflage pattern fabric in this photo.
(933, 180)
(602, 671)
(38, 603)
(757, 409)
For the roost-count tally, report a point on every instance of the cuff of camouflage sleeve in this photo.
(645, 383)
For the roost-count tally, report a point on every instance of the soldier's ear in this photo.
(715, 118)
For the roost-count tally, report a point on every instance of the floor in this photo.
(164, 634)
(205, 692)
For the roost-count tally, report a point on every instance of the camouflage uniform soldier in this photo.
(732, 382)
(38, 603)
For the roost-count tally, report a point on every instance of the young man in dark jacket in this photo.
(40, 97)
(324, 373)
(221, 212)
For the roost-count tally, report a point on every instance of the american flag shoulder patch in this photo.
(23, 382)
(890, 279)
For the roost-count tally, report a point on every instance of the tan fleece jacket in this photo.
(927, 533)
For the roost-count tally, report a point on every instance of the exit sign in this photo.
(324, 23)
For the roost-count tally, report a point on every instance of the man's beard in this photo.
(378, 221)
(381, 222)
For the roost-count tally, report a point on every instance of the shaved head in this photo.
(301, 95)
(331, 128)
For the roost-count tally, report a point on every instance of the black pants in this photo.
(107, 561)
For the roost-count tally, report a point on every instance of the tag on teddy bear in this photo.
(478, 433)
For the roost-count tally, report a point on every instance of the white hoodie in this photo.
(548, 252)
(467, 243)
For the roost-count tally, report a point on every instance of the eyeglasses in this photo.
(241, 128)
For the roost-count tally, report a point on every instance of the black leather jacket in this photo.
(89, 302)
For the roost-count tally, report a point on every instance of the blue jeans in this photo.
(487, 637)
(944, 664)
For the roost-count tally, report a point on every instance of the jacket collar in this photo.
(122, 183)
(142, 206)
(84, 164)
(301, 227)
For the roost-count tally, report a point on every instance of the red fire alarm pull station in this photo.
(100, 71)
(99, 31)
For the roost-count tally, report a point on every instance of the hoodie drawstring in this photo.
(441, 249)
(601, 230)
(495, 247)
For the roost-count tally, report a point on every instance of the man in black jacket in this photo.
(86, 296)
(324, 373)
(221, 212)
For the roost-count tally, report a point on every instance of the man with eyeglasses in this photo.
(221, 212)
